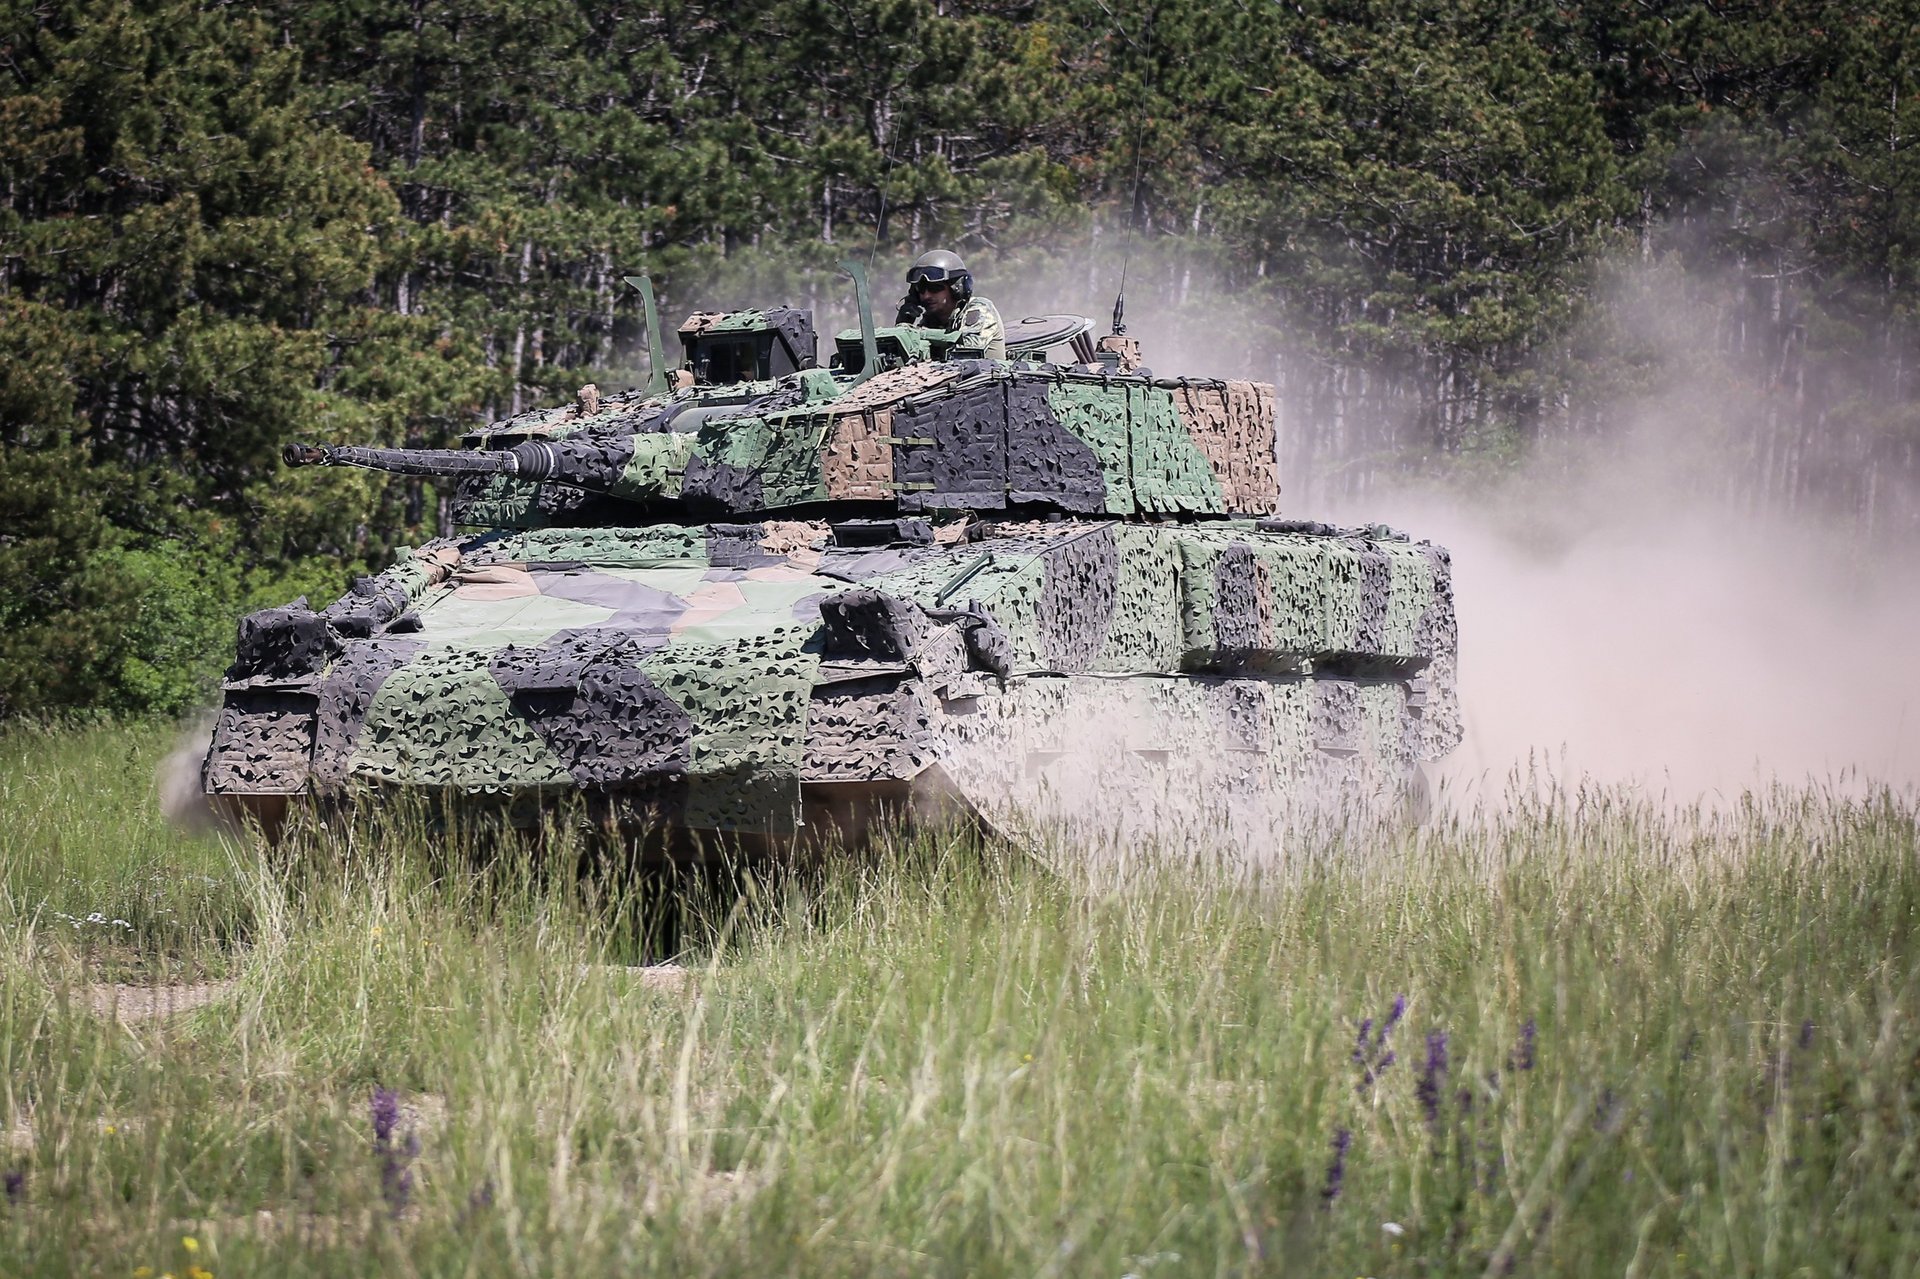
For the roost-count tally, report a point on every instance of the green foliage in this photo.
(172, 651)
(94, 615)
(195, 230)
(63, 612)
(170, 654)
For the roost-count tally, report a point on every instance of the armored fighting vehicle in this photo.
(762, 597)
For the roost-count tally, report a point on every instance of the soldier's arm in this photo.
(980, 332)
(910, 311)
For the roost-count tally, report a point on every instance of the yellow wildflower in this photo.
(143, 1272)
(189, 1243)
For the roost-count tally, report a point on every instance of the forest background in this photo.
(1458, 236)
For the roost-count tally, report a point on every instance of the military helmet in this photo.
(941, 266)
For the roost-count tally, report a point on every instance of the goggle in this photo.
(930, 277)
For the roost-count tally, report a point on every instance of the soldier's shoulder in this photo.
(979, 310)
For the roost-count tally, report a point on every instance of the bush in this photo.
(99, 617)
(62, 605)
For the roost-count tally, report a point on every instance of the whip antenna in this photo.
(881, 220)
(1133, 199)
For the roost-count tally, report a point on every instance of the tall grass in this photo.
(1630, 1043)
(85, 855)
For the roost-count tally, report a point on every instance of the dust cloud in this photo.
(1618, 625)
(176, 781)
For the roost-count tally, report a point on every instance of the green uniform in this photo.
(978, 330)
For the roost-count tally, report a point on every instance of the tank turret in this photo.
(918, 435)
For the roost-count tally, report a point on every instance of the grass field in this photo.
(1579, 1037)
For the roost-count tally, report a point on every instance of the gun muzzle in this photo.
(303, 455)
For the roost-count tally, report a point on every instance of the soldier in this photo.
(940, 296)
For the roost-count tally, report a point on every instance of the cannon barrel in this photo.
(450, 462)
(588, 464)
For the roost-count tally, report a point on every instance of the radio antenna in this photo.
(881, 220)
(1133, 198)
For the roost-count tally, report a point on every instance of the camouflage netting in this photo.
(345, 696)
(1233, 423)
(262, 743)
(297, 680)
(871, 730)
(707, 671)
(1077, 595)
(1119, 627)
(971, 435)
(748, 701)
(586, 697)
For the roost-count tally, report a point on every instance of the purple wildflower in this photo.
(396, 1158)
(15, 1181)
(386, 1114)
(1374, 1057)
(1337, 1170)
(1433, 1075)
(396, 1174)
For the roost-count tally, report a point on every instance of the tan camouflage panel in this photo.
(894, 385)
(1125, 348)
(1233, 423)
(858, 460)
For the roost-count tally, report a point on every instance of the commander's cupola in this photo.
(725, 347)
